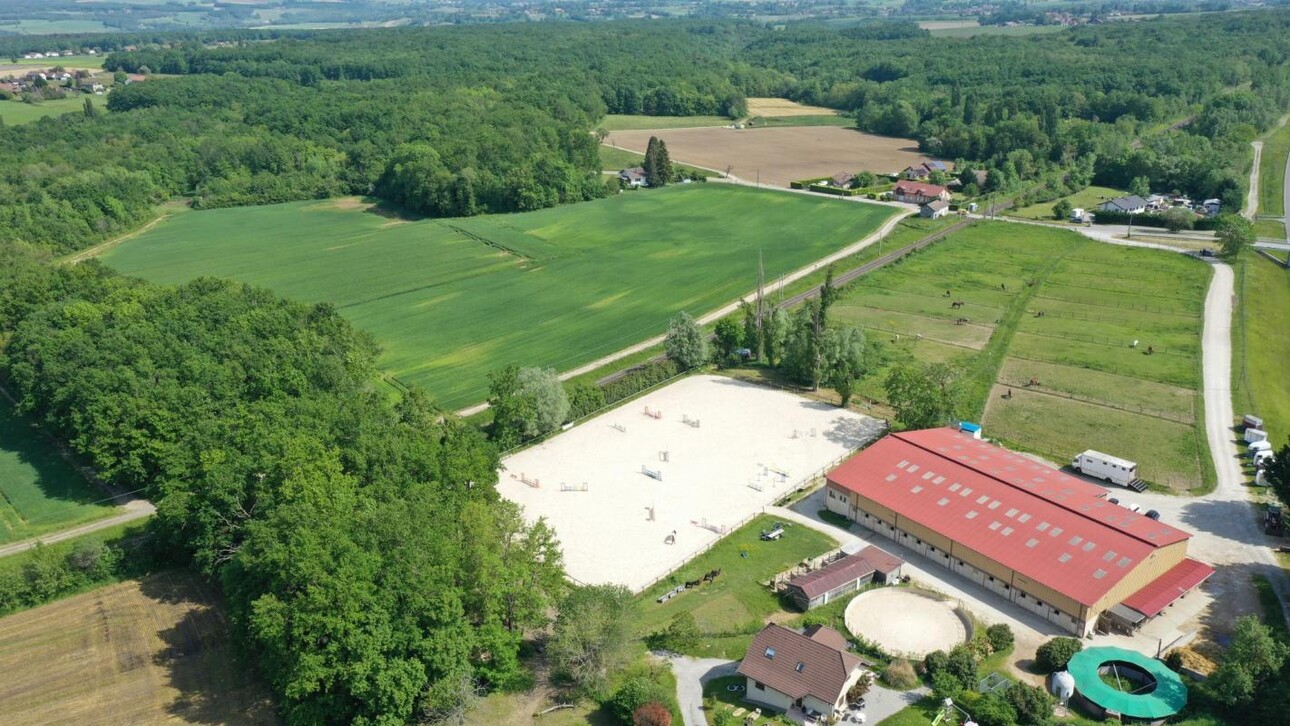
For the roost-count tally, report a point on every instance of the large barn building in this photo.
(1043, 539)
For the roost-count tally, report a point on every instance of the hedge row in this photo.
(1148, 220)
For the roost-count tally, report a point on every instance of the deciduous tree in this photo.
(685, 342)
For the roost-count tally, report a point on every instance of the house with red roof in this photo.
(919, 193)
(1043, 539)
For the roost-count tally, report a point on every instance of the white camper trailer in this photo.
(1109, 468)
(1253, 435)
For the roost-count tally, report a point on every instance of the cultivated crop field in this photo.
(781, 107)
(779, 155)
(450, 300)
(155, 650)
(39, 491)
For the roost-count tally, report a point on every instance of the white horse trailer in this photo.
(1118, 471)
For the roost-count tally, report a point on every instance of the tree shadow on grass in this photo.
(57, 478)
(214, 684)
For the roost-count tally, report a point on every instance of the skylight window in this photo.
(770, 653)
(1023, 518)
(1099, 574)
(1007, 531)
(1012, 512)
(971, 514)
(1065, 557)
(1032, 542)
(955, 486)
(1089, 546)
(1076, 540)
(944, 501)
(903, 463)
(916, 489)
(995, 525)
(983, 499)
(1042, 526)
(995, 504)
(800, 667)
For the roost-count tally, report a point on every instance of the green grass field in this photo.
(1271, 228)
(615, 159)
(1095, 390)
(39, 491)
(16, 113)
(628, 122)
(1105, 394)
(734, 607)
(1272, 171)
(450, 300)
(1261, 346)
(1087, 199)
(67, 61)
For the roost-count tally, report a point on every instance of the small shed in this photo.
(934, 209)
(843, 576)
(1250, 421)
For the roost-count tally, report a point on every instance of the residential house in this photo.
(934, 209)
(633, 177)
(842, 576)
(1132, 204)
(841, 180)
(925, 169)
(800, 673)
(919, 193)
(1212, 206)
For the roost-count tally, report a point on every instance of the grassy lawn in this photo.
(919, 714)
(39, 490)
(16, 113)
(629, 122)
(451, 299)
(1260, 344)
(1086, 199)
(1272, 171)
(1272, 228)
(718, 689)
(731, 609)
(1087, 384)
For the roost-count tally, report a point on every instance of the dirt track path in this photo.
(132, 510)
(100, 248)
(1252, 199)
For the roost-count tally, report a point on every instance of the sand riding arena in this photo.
(636, 492)
(925, 623)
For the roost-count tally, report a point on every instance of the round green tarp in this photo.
(1168, 698)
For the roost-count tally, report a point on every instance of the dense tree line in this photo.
(1088, 102)
(364, 554)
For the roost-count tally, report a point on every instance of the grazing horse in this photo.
(957, 304)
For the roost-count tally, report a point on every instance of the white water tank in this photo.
(1063, 686)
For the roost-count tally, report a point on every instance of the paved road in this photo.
(725, 310)
(133, 509)
(1216, 347)
(1252, 199)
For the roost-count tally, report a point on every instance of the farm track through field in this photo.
(98, 249)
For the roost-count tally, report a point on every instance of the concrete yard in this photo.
(752, 445)
(904, 622)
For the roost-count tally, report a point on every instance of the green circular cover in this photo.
(1168, 698)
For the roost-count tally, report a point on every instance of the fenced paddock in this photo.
(722, 450)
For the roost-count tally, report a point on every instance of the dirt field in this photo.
(781, 107)
(141, 652)
(925, 623)
(752, 446)
(779, 155)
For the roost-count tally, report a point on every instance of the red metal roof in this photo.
(839, 572)
(1048, 526)
(1181, 579)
